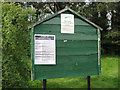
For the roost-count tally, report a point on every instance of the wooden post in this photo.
(88, 82)
(44, 84)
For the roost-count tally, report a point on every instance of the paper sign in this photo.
(44, 49)
(67, 23)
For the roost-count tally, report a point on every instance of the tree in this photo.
(114, 33)
(100, 14)
(115, 21)
(16, 44)
(47, 8)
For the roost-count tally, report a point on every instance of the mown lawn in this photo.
(107, 79)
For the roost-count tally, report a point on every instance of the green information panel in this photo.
(65, 45)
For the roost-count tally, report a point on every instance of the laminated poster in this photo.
(67, 23)
(44, 49)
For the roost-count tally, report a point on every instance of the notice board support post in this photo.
(44, 84)
(88, 82)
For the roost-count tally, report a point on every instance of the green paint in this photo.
(57, 20)
(43, 28)
(32, 54)
(76, 36)
(81, 32)
(77, 44)
(75, 51)
(68, 66)
(78, 56)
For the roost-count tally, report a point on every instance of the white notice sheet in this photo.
(44, 49)
(67, 23)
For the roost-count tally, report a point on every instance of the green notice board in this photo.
(67, 50)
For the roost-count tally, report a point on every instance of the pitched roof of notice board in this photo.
(61, 11)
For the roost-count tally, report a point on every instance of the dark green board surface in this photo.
(76, 57)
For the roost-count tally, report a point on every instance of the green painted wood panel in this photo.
(68, 66)
(76, 51)
(81, 32)
(57, 28)
(76, 36)
(32, 54)
(77, 43)
(76, 57)
(57, 20)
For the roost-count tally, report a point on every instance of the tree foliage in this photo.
(16, 44)
(114, 34)
(107, 16)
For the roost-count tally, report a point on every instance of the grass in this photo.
(107, 79)
(109, 75)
